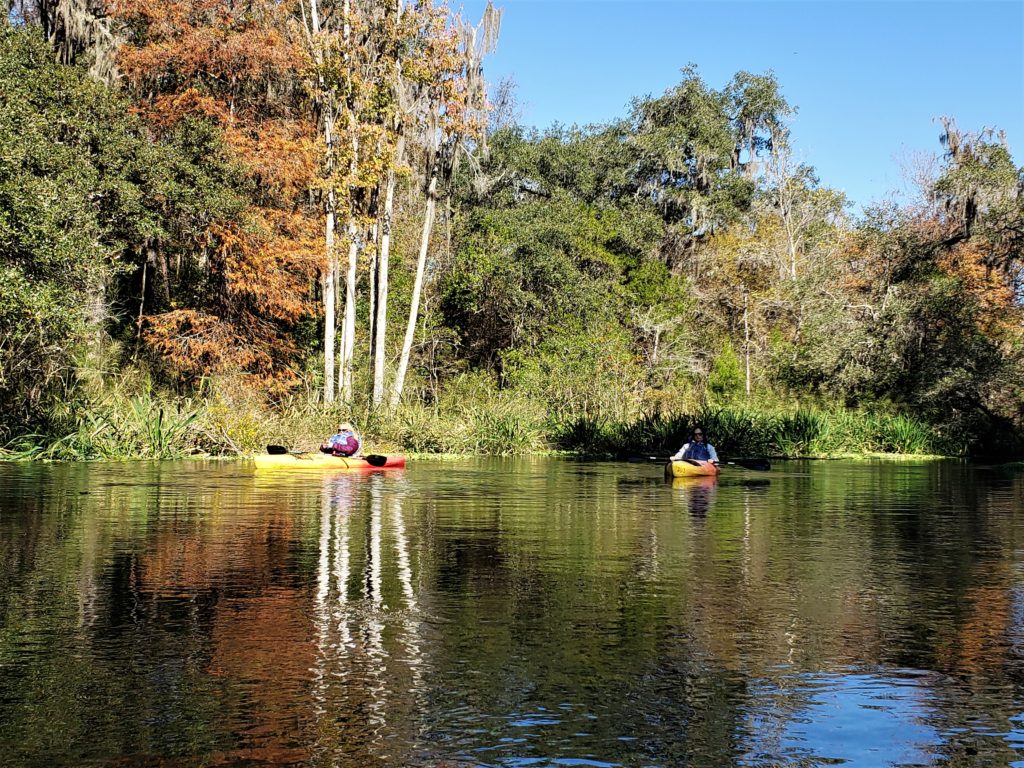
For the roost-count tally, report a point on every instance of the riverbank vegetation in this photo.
(224, 225)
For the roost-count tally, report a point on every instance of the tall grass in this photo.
(750, 431)
(471, 417)
(140, 427)
(499, 425)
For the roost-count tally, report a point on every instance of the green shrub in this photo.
(752, 431)
(726, 380)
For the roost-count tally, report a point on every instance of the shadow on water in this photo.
(509, 613)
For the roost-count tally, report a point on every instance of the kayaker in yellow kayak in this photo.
(345, 443)
(697, 449)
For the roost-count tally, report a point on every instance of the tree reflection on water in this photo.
(508, 613)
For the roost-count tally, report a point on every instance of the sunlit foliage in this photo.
(210, 188)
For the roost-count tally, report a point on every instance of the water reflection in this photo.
(536, 612)
(368, 672)
(698, 493)
(853, 719)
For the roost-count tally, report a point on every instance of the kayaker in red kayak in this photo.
(345, 443)
(697, 449)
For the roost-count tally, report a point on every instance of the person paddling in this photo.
(697, 449)
(345, 443)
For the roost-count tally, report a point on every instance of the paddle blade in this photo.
(276, 450)
(376, 460)
(760, 465)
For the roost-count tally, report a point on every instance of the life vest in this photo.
(697, 451)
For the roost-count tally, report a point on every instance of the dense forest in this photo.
(226, 224)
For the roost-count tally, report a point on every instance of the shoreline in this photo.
(583, 456)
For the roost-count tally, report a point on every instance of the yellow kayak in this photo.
(326, 461)
(690, 468)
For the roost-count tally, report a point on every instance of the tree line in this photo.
(247, 195)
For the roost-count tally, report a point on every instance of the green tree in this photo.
(85, 196)
(68, 203)
(726, 379)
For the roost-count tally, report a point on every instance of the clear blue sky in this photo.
(868, 78)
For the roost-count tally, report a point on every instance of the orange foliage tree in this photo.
(312, 101)
(238, 66)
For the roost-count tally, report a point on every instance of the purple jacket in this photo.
(343, 444)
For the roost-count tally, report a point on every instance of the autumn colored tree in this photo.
(924, 310)
(88, 201)
(230, 302)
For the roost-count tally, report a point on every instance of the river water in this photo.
(537, 612)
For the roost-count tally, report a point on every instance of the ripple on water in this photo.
(511, 612)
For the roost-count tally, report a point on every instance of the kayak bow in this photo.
(323, 461)
(690, 468)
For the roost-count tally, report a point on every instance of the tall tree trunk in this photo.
(791, 243)
(142, 305)
(330, 301)
(330, 269)
(414, 309)
(348, 340)
(330, 207)
(372, 273)
(746, 338)
(381, 324)
(348, 335)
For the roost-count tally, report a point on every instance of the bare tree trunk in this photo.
(382, 278)
(330, 268)
(410, 328)
(313, 31)
(372, 270)
(473, 49)
(781, 171)
(348, 336)
(348, 341)
(746, 338)
(792, 248)
(330, 301)
(142, 304)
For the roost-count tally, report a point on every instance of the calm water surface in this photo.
(512, 613)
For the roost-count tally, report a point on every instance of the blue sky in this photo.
(868, 78)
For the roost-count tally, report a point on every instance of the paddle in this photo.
(280, 450)
(373, 459)
(760, 465)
